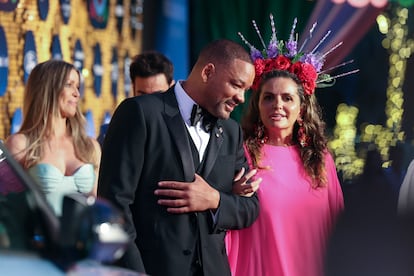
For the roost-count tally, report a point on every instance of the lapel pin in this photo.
(220, 131)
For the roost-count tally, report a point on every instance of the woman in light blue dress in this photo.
(52, 144)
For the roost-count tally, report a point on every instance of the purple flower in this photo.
(255, 54)
(272, 50)
(315, 60)
(291, 46)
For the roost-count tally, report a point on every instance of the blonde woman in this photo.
(52, 144)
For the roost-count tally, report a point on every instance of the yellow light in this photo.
(386, 43)
(396, 44)
(403, 13)
(369, 129)
(382, 24)
(396, 81)
(394, 58)
(399, 65)
(85, 72)
(349, 133)
(400, 32)
(405, 52)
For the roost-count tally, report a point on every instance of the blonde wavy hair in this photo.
(41, 104)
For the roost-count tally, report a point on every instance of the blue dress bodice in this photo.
(55, 184)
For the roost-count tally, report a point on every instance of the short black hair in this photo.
(151, 63)
(224, 51)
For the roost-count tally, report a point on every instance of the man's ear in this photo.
(208, 71)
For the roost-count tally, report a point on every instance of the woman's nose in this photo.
(277, 103)
(76, 92)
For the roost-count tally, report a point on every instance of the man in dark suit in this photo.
(172, 176)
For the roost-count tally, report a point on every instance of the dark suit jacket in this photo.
(147, 141)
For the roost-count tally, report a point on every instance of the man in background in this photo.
(150, 72)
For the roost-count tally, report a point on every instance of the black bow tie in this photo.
(200, 114)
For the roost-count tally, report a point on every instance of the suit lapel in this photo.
(178, 132)
(213, 148)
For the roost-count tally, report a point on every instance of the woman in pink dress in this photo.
(300, 195)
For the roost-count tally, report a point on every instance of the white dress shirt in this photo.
(198, 134)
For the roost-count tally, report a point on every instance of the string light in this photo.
(400, 47)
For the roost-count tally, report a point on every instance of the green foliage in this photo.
(404, 3)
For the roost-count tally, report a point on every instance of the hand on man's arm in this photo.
(184, 197)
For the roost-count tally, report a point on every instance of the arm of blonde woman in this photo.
(16, 144)
(96, 162)
(243, 187)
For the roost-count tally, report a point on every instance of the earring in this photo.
(302, 137)
(261, 137)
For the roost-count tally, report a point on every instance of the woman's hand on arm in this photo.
(246, 184)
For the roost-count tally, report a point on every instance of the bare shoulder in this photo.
(17, 144)
(16, 141)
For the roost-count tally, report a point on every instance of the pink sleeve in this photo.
(232, 236)
(232, 247)
(336, 200)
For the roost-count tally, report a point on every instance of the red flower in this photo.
(309, 87)
(296, 68)
(255, 85)
(281, 63)
(309, 72)
(306, 74)
(259, 66)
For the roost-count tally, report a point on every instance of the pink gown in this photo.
(290, 235)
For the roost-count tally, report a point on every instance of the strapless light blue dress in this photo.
(55, 184)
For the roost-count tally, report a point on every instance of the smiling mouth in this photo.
(231, 106)
(277, 116)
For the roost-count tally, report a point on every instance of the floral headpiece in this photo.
(284, 55)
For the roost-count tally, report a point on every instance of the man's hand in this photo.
(245, 184)
(185, 197)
